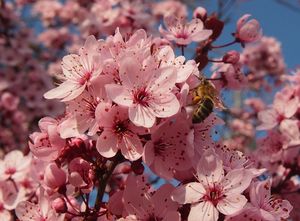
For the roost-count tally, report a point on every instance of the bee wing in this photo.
(219, 103)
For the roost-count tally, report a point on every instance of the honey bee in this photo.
(205, 98)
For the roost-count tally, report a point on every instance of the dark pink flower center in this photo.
(154, 218)
(214, 195)
(86, 77)
(1, 207)
(141, 96)
(182, 35)
(120, 127)
(10, 171)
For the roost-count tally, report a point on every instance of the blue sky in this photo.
(276, 20)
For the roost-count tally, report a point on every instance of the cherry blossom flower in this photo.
(144, 206)
(182, 32)
(27, 211)
(79, 71)
(214, 192)
(147, 92)
(170, 148)
(80, 112)
(283, 108)
(263, 206)
(118, 133)
(47, 144)
(14, 165)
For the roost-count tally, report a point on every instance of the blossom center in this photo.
(141, 97)
(160, 147)
(86, 77)
(154, 218)
(120, 127)
(10, 171)
(214, 195)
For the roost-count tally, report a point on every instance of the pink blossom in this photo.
(47, 144)
(54, 177)
(27, 211)
(214, 192)
(263, 206)
(170, 148)
(283, 108)
(79, 71)
(143, 206)
(118, 133)
(248, 31)
(81, 174)
(147, 92)
(182, 32)
(80, 112)
(14, 165)
(9, 101)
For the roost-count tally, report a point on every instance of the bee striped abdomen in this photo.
(204, 109)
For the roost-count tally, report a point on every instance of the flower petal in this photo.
(232, 204)
(188, 193)
(204, 211)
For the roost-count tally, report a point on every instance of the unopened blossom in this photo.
(14, 165)
(144, 206)
(182, 32)
(118, 133)
(170, 148)
(263, 206)
(81, 174)
(214, 191)
(54, 177)
(79, 71)
(147, 92)
(248, 31)
(27, 211)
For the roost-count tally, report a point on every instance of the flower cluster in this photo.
(139, 137)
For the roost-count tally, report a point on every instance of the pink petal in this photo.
(268, 119)
(130, 72)
(63, 90)
(27, 211)
(259, 192)
(204, 211)
(242, 21)
(188, 193)
(163, 81)
(165, 106)
(172, 216)
(141, 116)
(107, 144)
(74, 92)
(68, 128)
(291, 107)
(131, 147)
(232, 204)
(201, 36)
(210, 168)
(119, 94)
(236, 181)
(148, 155)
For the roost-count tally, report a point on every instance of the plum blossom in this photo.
(47, 144)
(147, 92)
(14, 165)
(182, 32)
(170, 148)
(263, 206)
(79, 71)
(214, 191)
(144, 206)
(27, 211)
(118, 133)
(284, 107)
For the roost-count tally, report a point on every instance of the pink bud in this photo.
(231, 57)
(248, 31)
(200, 13)
(9, 101)
(59, 205)
(54, 176)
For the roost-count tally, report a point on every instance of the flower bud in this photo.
(200, 13)
(231, 57)
(248, 31)
(59, 205)
(54, 176)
